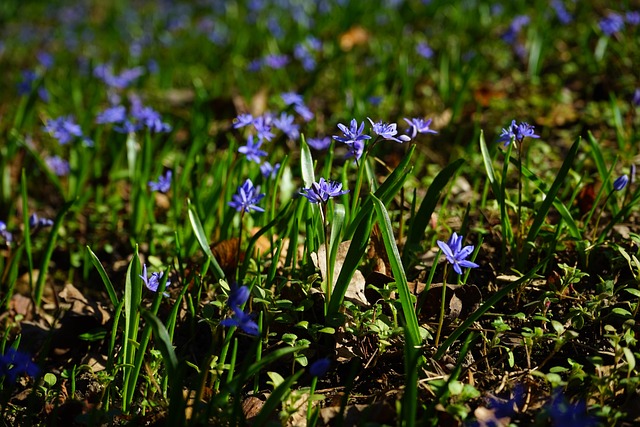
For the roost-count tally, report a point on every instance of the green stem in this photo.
(312, 390)
(444, 294)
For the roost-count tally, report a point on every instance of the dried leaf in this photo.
(461, 300)
(355, 290)
(355, 36)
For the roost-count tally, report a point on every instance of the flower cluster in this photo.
(27, 84)
(354, 138)
(14, 363)
(517, 132)
(306, 51)
(163, 184)
(456, 254)
(237, 297)
(152, 282)
(323, 190)
(512, 34)
(65, 130)
(274, 62)
(246, 198)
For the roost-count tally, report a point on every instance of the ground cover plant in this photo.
(283, 212)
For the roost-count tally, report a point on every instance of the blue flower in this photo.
(566, 414)
(320, 367)
(269, 171)
(4, 233)
(35, 222)
(286, 125)
(262, 125)
(633, 17)
(64, 129)
(242, 120)
(148, 117)
(611, 24)
(319, 143)
(152, 282)
(322, 191)
(388, 131)
(115, 114)
(15, 363)
(246, 198)
(517, 132)
(351, 134)
(304, 112)
(163, 184)
(252, 150)
(238, 295)
(456, 254)
(292, 98)
(423, 49)
(243, 321)
(353, 138)
(636, 98)
(418, 125)
(276, 61)
(58, 165)
(561, 12)
(620, 183)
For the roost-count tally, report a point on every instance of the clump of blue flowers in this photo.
(517, 132)
(323, 190)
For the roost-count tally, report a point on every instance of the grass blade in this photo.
(420, 220)
(203, 241)
(105, 278)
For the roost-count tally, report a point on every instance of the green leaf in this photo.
(203, 241)
(163, 342)
(420, 220)
(306, 163)
(275, 399)
(105, 279)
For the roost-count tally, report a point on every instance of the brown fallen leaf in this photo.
(355, 290)
(355, 36)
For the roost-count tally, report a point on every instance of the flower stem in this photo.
(329, 269)
(444, 294)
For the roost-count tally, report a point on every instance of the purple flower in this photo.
(269, 171)
(566, 414)
(515, 27)
(4, 233)
(633, 17)
(242, 120)
(423, 49)
(620, 183)
(15, 363)
(304, 112)
(163, 184)
(115, 114)
(252, 150)
(152, 282)
(636, 98)
(456, 254)
(246, 198)
(276, 61)
(58, 165)
(148, 117)
(611, 24)
(25, 86)
(64, 129)
(286, 125)
(517, 132)
(35, 222)
(320, 367)
(238, 295)
(292, 98)
(388, 131)
(418, 125)
(262, 125)
(351, 134)
(120, 81)
(319, 143)
(561, 12)
(243, 321)
(45, 59)
(322, 191)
